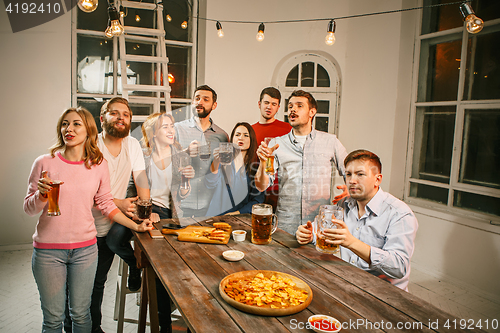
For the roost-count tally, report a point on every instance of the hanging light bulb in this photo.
(171, 78)
(474, 23)
(184, 25)
(220, 33)
(122, 12)
(108, 33)
(137, 18)
(260, 34)
(169, 18)
(88, 6)
(115, 28)
(330, 36)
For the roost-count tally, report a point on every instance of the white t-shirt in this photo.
(120, 168)
(301, 140)
(161, 182)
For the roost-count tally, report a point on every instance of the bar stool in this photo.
(121, 292)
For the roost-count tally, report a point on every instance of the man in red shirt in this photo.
(270, 127)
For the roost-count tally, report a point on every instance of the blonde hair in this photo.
(92, 154)
(149, 129)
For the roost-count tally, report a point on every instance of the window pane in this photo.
(307, 75)
(179, 59)
(179, 11)
(147, 18)
(323, 107)
(480, 161)
(323, 79)
(481, 203)
(433, 143)
(97, 20)
(427, 192)
(439, 70)
(440, 18)
(487, 9)
(321, 124)
(292, 80)
(482, 76)
(137, 73)
(94, 65)
(93, 107)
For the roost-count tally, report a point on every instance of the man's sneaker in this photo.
(134, 278)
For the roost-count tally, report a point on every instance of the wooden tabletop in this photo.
(191, 273)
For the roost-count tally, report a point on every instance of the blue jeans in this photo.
(118, 241)
(56, 270)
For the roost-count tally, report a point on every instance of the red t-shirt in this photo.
(272, 130)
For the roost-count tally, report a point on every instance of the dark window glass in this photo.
(427, 192)
(179, 11)
(138, 73)
(321, 124)
(147, 18)
(480, 203)
(480, 160)
(434, 143)
(179, 59)
(94, 65)
(292, 80)
(323, 107)
(482, 75)
(97, 20)
(93, 107)
(307, 75)
(323, 79)
(486, 9)
(441, 17)
(439, 70)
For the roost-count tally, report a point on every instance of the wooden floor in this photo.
(20, 306)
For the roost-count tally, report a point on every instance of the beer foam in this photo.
(262, 210)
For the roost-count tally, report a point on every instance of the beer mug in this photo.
(53, 194)
(144, 208)
(184, 161)
(205, 152)
(226, 153)
(264, 223)
(324, 221)
(270, 160)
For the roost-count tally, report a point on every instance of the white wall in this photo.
(35, 89)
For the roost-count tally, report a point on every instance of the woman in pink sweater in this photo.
(65, 251)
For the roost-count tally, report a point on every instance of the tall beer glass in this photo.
(264, 223)
(270, 160)
(324, 221)
(53, 194)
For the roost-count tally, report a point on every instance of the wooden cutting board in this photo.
(193, 233)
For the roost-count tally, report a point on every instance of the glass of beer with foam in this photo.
(53, 194)
(324, 221)
(264, 223)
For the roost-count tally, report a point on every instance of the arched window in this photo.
(318, 75)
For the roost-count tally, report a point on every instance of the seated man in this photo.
(378, 231)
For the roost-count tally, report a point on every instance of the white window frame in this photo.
(463, 216)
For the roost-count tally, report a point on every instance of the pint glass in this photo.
(53, 194)
(324, 221)
(264, 223)
(270, 160)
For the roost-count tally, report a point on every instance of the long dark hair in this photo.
(252, 150)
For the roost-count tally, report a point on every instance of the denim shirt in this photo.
(305, 175)
(389, 227)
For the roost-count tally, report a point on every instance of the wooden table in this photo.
(191, 273)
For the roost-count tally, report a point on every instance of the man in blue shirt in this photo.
(378, 231)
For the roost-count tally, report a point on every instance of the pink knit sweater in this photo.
(82, 188)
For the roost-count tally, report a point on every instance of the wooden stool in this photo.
(121, 292)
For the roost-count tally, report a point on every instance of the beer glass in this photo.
(53, 194)
(324, 221)
(264, 223)
(144, 208)
(226, 153)
(184, 161)
(204, 152)
(270, 160)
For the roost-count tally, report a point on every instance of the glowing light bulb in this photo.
(115, 28)
(184, 25)
(88, 6)
(122, 12)
(220, 33)
(473, 23)
(330, 35)
(169, 18)
(137, 18)
(260, 34)
(171, 78)
(108, 33)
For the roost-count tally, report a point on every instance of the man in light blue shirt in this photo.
(378, 231)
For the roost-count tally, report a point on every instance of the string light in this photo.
(171, 78)
(474, 23)
(88, 6)
(115, 28)
(122, 12)
(220, 33)
(108, 33)
(330, 36)
(184, 25)
(169, 18)
(137, 17)
(260, 34)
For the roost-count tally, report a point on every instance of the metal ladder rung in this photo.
(148, 59)
(146, 87)
(144, 31)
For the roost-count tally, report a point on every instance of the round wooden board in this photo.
(261, 311)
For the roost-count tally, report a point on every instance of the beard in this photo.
(203, 113)
(109, 127)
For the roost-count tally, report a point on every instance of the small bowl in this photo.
(324, 324)
(233, 255)
(239, 235)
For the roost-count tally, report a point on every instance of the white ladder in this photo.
(160, 60)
